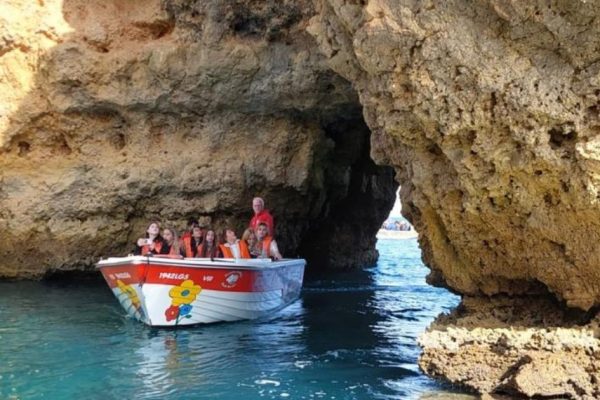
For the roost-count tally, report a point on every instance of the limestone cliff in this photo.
(489, 112)
(519, 346)
(116, 112)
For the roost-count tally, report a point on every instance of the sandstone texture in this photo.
(516, 346)
(489, 112)
(115, 112)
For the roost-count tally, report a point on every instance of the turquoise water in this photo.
(349, 338)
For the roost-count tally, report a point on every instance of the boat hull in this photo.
(174, 292)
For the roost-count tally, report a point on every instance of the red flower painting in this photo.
(172, 313)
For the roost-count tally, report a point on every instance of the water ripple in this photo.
(350, 336)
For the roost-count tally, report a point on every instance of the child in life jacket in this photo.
(190, 244)
(249, 237)
(152, 243)
(232, 246)
(170, 243)
(266, 244)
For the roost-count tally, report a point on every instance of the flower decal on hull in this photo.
(181, 298)
(135, 308)
(184, 293)
(130, 292)
(172, 313)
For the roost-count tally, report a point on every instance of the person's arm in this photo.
(139, 244)
(275, 250)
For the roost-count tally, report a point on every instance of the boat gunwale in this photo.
(216, 263)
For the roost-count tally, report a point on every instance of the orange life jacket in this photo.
(157, 247)
(187, 245)
(266, 245)
(227, 253)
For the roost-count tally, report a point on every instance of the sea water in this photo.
(349, 336)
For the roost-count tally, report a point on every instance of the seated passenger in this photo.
(191, 223)
(190, 244)
(209, 247)
(232, 247)
(249, 237)
(266, 244)
(171, 243)
(152, 243)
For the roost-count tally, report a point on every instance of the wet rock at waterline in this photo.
(518, 346)
(113, 113)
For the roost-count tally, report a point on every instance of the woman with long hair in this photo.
(152, 243)
(249, 237)
(171, 243)
(209, 247)
(189, 245)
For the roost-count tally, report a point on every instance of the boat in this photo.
(389, 234)
(163, 291)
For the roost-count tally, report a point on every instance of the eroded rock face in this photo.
(489, 112)
(113, 113)
(519, 346)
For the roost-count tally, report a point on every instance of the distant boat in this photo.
(389, 234)
(163, 291)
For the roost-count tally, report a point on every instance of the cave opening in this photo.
(357, 198)
(159, 113)
(396, 225)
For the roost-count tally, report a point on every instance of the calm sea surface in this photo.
(349, 338)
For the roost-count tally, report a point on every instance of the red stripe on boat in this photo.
(230, 280)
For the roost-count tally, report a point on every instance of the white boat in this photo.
(164, 291)
(389, 234)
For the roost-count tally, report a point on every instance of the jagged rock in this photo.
(489, 113)
(113, 113)
(525, 346)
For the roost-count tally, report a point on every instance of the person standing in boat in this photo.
(232, 247)
(249, 237)
(261, 216)
(209, 247)
(171, 243)
(266, 244)
(152, 243)
(190, 244)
